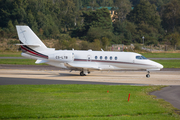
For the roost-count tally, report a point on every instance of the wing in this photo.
(82, 66)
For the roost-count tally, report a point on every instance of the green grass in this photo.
(169, 63)
(10, 54)
(161, 55)
(82, 102)
(19, 62)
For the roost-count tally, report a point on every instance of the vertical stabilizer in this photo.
(29, 38)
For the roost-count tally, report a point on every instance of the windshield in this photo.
(140, 57)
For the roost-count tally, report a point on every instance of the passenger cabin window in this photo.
(115, 58)
(101, 57)
(110, 57)
(105, 57)
(140, 57)
(96, 57)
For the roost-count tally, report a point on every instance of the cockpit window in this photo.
(140, 57)
(143, 57)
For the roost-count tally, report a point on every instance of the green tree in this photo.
(93, 4)
(99, 18)
(148, 22)
(158, 3)
(11, 31)
(16, 23)
(171, 15)
(18, 12)
(105, 2)
(174, 38)
(84, 45)
(31, 21)
(67, 13)
(126, 31)
(146, 13)
(11, 26)
(96, 45)
(98, 33)
(105, 42)
(123, 7)
(134, 2)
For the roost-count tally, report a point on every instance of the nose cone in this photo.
(156, 65)
(159, 66)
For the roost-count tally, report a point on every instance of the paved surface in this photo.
(170, 94)
(130, 77)
(30, 81)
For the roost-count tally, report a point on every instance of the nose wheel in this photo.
(148, 75)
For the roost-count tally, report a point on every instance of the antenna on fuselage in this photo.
(102, 50)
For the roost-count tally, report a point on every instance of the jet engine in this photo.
(62, 57)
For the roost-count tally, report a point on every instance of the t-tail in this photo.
(31, 46)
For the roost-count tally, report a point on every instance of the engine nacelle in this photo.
(62, 57)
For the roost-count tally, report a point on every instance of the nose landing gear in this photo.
(148, 75)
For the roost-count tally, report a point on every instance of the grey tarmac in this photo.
(170, 94)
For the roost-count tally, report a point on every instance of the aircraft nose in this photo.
(159, 66)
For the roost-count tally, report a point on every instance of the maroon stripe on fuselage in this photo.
(105, 61)
(32, 52)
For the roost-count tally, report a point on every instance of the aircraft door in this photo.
(73, 56)
(89, 58)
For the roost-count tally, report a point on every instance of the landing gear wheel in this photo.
(82, 73)
(147, 75)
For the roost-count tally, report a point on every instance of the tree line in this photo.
(90, 21)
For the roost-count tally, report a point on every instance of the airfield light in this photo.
(143, 40)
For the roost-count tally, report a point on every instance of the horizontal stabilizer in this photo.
(30, 45)
(40, 61)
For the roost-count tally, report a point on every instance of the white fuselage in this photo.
(98, 60)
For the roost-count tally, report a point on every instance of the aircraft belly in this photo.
(128, 65)
(57, 64)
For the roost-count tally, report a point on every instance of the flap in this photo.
(83, 66)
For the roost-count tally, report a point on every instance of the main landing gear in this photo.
(84, 73)
(148, 75)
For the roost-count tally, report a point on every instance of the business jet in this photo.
(84, 61)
